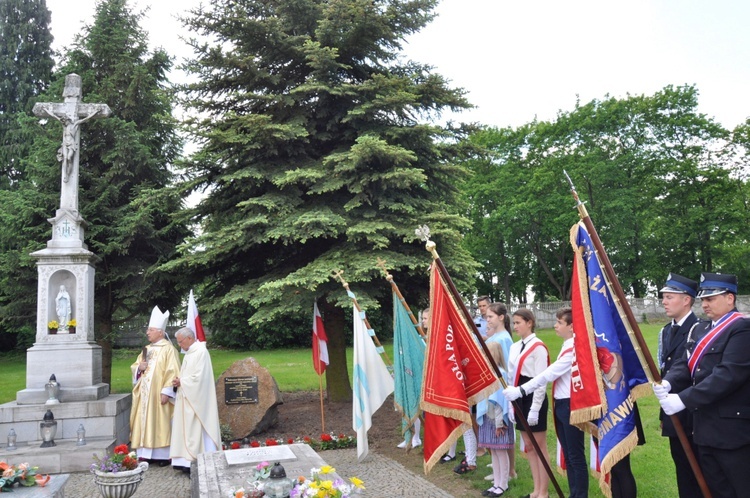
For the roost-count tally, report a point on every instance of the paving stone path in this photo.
(383, 478)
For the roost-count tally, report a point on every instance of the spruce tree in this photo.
(25, 71)
(318, 151)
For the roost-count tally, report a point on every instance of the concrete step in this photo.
(63, 458)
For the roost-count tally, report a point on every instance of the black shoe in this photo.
(446, 458)
(162, 463)
(186, 470)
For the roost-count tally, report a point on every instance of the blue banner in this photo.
(620, 369)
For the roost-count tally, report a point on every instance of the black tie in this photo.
(523, 345)
(673, 333)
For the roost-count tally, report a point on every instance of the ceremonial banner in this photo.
(609, 375)
(456, 372)
(372, 382)
(409, 349)
(319, 342)
(194, 319)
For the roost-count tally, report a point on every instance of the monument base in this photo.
(106, 421)
(77, 368)
(68, 395)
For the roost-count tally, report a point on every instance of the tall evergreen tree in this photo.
(25, 71)
(125, 165)
(318, 152)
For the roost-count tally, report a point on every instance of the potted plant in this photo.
(72, 326)
(52, 327)
(118, 475)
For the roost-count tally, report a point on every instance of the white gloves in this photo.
(512, 415)
(672, 404)
(512, 393)
(534, 417)
(661, 390)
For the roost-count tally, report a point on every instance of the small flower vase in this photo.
(52, 331)
(71, 330)
(120, 484)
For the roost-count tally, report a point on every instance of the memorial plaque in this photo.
(240, 390)
(263, 454)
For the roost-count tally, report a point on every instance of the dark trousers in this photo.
(726, 471)
(574, 451)
(687, 484)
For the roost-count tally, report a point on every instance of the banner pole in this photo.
(337, 276)
(322, 411)
(394, 287)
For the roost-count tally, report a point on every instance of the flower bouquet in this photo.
(52, 327)
(72, 326)
(120, 461)
(119, 474)
(22, 474)
(318, 487)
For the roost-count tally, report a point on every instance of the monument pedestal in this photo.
(107, 424)
(77, 367)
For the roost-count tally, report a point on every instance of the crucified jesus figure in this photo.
(67, 151)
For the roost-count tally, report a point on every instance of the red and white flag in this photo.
(319, 342)
(194, 320)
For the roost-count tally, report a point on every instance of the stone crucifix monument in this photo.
(65, 267)
(65, 299)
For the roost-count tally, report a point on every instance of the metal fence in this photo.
(647, 309)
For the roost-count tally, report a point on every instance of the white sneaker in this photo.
(489, 465)
(489, 477)
(416, 443)
(401, 445)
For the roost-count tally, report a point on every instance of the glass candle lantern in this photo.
(48, 428)
(11, 441)
(81, 436)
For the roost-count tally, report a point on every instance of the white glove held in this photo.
(512, 393)
(533, 417)
(512, 415)
(672, 404)
(661, 390)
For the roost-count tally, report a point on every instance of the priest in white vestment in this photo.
(195, 426)
(153, 373)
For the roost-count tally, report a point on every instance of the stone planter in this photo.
(120, 484)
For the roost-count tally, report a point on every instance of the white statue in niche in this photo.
(62, 307)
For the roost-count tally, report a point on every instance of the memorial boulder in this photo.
(248, 398)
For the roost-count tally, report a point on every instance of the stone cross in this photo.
(72, 113)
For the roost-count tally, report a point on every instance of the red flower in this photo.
(255, 444)
(307, 439)
(235, 445)
(326, 437)
(121, 450)
(290, 441)
(129, 463)
(271, 442)
(342, 436)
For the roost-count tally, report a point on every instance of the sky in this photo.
(525, 60)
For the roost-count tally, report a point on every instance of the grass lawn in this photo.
(292, 369)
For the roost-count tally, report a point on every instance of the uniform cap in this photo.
(677, 284)
(713, 284)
